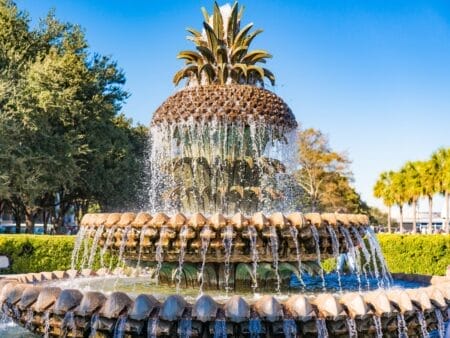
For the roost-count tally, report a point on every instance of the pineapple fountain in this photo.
(221, 229)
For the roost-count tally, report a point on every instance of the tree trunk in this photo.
(29, 222)
(18, 221)
(414, 226)
(389, 219)
(45, 216)
(447, 212)
(430, 214)
(401, 218)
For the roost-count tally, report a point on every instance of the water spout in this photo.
(255, 256)
(335, 248)
(228, 245)
(319, 261)
(294, 234)
(274, 248)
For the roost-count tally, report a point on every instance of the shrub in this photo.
(418, 254)
(35, 253)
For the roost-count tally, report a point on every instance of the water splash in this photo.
(289, 328)
(321, 326)
(402, 329)
(423, 324)
(387, 280)
(351, 326)
(254, 327)
(183, 156)
(220, 328)
(183, 244)
(205, 235)
(253, 235)
(316, 237)
(273, 240)
(185, 328)
(378, 327)
(159, 252)
(97, 236)
(335, 248)
(294, 234)
(352, 252)
(119, 329)
(76, 249)
(228, 245)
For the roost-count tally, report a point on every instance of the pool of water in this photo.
(143, 284)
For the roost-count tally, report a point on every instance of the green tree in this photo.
(61, 134)
(429, 181)
(383, 190)
(399, 193)
(413, 188)
(442, 158)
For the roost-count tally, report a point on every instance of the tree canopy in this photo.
(60, 129)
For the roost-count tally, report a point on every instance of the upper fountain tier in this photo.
(226, 103)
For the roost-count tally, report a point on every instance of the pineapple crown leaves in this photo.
(221, 54)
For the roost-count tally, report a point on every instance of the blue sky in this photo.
(373, 75)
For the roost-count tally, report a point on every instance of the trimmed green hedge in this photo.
(35, 253)
(420, 254)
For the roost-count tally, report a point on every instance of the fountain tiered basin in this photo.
(146, 298)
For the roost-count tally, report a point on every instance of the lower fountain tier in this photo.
(55, 312)
(295, 237)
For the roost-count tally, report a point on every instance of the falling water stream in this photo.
(366, 254)
(119, 329)
(228, 245)
(159, 253)
(378, 327)
(205, 235)
(423, 324)
(401, 326)
(108, 243)
(141, 247)
(47, 324)
(254, 327)
(273, 240)
(97, 236)
(152, 326)
(220, 328)
(93, 325)
(254, 253)
(76, 249)
(322, 331)
(183, 244)
(375, 247)
(335, 248)
(441, 324)
(319, 262)
(352, 253)
(185, 327)
(289, 328)
(351, 326)
(294, 234)
(69, 326)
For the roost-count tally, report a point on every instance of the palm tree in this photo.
(222, 54)
(442, 158)
(383, 189)
(429, 171)
(399, 193)
(413, 188)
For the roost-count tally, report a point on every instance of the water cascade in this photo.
(322, 331)
(97, 236)
(273, 240)
(423, 324)
(183, 243)
(159, 253)
(386, 280)
(353, 259)
(254, 255)
(378, 327)
(401, 326)
(119, 330)
(294, 234)
(205, 238)
(351, 326)
(220, 328)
